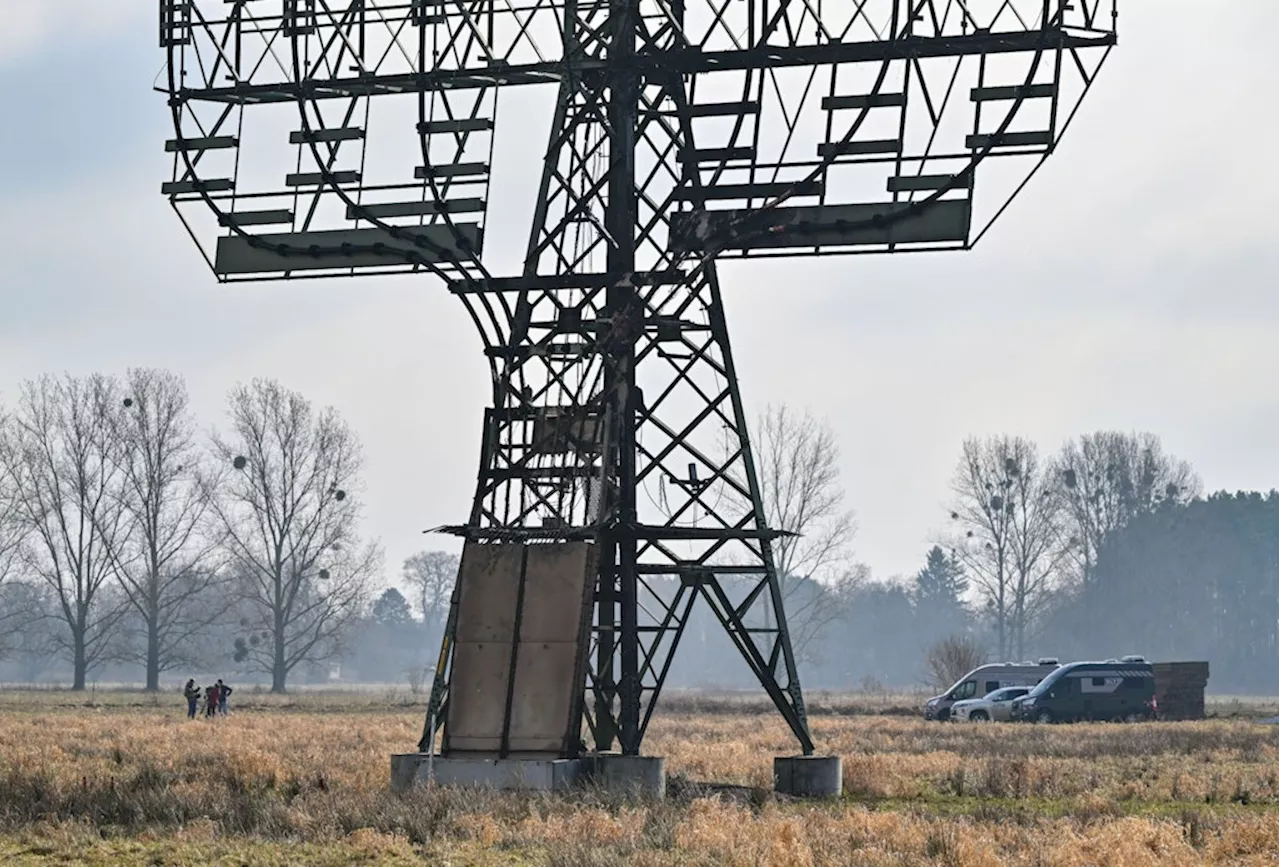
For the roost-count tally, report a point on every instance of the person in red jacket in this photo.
(210, 700)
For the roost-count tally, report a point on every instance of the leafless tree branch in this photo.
(1005, 530)
(290, 517)
(166, 571)
(799, 464)
(431, 574)
(62, 455)
(1106, 479)
(13, 530)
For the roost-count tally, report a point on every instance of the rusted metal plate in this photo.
(943, 221)
(343, 248)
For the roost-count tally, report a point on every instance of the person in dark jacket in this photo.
(192, 694)
(223, 692)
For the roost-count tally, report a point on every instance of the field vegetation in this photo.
(303, 779)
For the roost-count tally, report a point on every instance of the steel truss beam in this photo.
(685, 61)
(615, 413)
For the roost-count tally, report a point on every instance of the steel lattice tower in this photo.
(684, 132)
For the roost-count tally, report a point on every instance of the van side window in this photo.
(965, 690)
(992, 686)
(1099, 681)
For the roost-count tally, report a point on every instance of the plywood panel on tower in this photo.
(478, 695)
(488, 586)
(543, 696)
(554, 634)
(540, 598)
(556, 579)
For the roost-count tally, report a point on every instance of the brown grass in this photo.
(278, 784)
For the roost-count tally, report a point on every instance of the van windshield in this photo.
(1042, 687)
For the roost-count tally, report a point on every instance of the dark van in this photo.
(1112, 690)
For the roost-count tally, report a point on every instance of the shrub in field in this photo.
(951, 659)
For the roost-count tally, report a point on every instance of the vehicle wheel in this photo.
(944, 715)
(980, 716)
(1043, 716)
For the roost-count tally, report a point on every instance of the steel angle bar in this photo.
(723, 609)
(681, 60)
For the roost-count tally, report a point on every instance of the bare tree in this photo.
(290, 519)
(13, 613)
(799, 465)
(1037, 544)
(431, 575)
(12, 529)
(63, 457)
(28, 627)
(951, 659)
(1106, 479)
(1006, 532)
(166, 570)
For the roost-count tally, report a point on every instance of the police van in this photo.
(985, 679)
(1116, 689)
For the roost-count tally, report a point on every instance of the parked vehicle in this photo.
(995, 706)
(985, 679)
(1116, 689)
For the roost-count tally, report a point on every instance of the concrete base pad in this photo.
(539, 775)
(808, 776)
(632, 776)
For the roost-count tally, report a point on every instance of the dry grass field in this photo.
(126, 778)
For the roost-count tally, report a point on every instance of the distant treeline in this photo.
(1188, 581)
(1193, 581)
(1105, 549)
(135, 546)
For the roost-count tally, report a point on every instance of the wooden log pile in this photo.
(1180, 689)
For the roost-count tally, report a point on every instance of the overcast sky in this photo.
(1133, 286)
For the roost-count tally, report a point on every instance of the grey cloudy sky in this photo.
(1132, 286)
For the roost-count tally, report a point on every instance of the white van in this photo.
(988, 678)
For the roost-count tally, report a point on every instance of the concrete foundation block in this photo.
(641, 777)
(808, 776)
(538, 775)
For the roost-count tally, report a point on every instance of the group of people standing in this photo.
(215, 698)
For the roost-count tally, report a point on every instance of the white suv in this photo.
(995, 705)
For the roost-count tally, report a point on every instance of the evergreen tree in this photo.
(392, 609)
(937, 597)
(941, 582)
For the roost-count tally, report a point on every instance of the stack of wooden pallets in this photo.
(1180, 689)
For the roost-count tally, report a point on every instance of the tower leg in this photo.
(617, 414)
